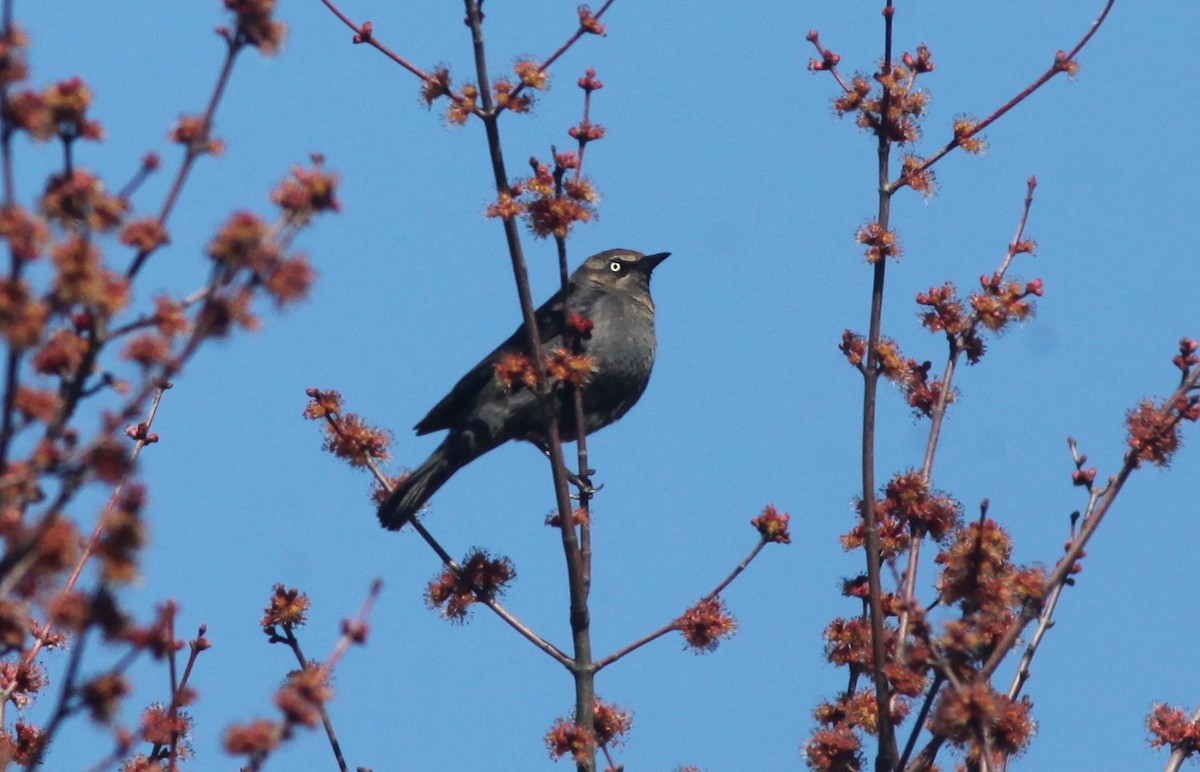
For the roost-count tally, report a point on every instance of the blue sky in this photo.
(723, 150)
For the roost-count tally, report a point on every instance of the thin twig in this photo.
(64, 707)
(365, 33)
(194, 149)
(827, 56)
(922, 715)
(1060, 65)
(1045, 622)
(938, 414)
(293, 643)
(575, 37)
(197, 645)
(90, 547)
(1065, 566)
(674, 623)
(353, 633)
(494, 605)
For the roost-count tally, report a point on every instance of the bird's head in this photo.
(621, 268)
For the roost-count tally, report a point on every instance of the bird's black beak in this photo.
(649, 262)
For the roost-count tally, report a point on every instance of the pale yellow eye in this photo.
(615, 266)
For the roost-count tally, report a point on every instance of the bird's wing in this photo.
(461, 400)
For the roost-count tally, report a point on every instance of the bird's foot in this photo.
(584, 484)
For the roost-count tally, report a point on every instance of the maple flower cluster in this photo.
(1173, 728)
(516, 94)
(978, 579)
(1153, 427)
(881, 243)
(896, 108)
(514, 370)
(907, 509)
(347, 435)
(287, 608)
(255, 25)
(772, 525)
(568, 739)
(921, 392)
(480, 578)
(705, 624)
(549, 201)
(302, 697)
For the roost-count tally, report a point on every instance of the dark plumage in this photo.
(612, 289)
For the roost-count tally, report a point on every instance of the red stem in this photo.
(1056, 68)
(194, 150)
(887, 740)
(365, 34)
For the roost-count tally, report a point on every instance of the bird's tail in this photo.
(411, 493)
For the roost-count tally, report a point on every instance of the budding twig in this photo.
(938, 413)
(1063, 569)
(604, 662)
(496, 607)
(1062, 63)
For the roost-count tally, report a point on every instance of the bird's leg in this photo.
(583, 483)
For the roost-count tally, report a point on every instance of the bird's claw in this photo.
(584, 484)
(586, 491)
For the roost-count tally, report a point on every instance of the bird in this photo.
(611, 290)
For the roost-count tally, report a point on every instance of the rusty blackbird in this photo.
(612, 289)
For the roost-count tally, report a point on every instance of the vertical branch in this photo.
(571, 340)
(582, 667)
(887, 740)
(571, 337)
(13, 360)
(6, 129)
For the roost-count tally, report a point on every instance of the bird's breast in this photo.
(621, 347)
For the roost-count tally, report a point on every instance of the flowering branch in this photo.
(1153, 437)
(964, 338)
(303, 697)
(142, 438)
(964, 134)
(900, 655)
(705, 623)
(58, 325)
(254, 28)
(350, 439)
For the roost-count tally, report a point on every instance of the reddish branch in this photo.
(892, 116)
(908, 588)
(1169, 417)
(1062, 63)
